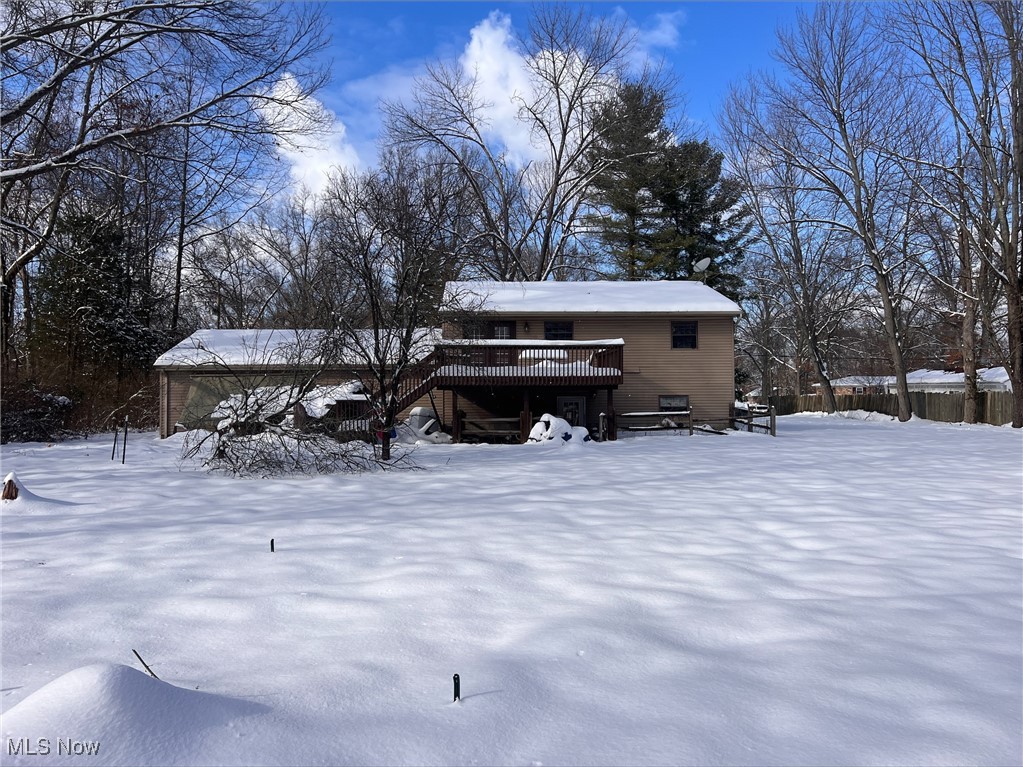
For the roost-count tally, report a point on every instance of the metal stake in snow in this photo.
(458, 694)
(113, 450)
(271, 545)
(124, 447)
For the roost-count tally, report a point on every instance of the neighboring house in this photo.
(935, 381)
(859, 385)
(942, 381)
(510, 352)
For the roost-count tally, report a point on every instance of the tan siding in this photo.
(653, 368)
(177, 392)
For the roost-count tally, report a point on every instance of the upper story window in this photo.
(482, 329)
(557, 331)
(684, 334)
(503, 330)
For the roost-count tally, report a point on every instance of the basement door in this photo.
(573, 410)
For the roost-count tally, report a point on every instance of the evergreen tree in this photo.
(627, 193)
(664, 205)
(702, 216)
(86, 321)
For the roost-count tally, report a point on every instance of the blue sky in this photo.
(378, 48)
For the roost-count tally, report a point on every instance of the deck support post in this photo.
(456, 418)
(525, 417)
(612, 421)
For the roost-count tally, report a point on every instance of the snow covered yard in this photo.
(848, 593)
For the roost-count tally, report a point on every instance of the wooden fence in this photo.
(994, 407)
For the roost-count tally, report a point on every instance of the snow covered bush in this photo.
(32, 414)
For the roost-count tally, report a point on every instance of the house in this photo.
(210, 366)
(924, 380)
(859, 385)
(943, 381)
(589, 352)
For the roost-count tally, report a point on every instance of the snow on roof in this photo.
(603, 297)
(926, 377)
(255, 347)
(861, 381)
(944, 377)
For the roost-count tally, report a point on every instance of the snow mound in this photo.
(557, 431)
(122, 716)
(26, 498)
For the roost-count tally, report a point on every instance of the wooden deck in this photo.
(528, 363)
(464, 364)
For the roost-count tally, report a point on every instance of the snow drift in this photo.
(121, 716)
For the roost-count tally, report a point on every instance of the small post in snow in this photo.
(271, 545)
(113, 450)
(458, 694)
(124, 447)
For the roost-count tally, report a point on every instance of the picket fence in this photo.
(994, 407)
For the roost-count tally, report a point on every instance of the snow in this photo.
(252, 347)
(988, 379)
(847, 593)
(267, 401)
(556, 431)
(599, 297)
(526, 343)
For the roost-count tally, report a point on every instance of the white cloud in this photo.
(493, 58)
(653, 37)
(663, 33)
(311, 154)
(312, 161)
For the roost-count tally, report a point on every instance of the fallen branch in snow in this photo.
(145, 664)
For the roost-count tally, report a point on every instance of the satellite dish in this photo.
(701, 265)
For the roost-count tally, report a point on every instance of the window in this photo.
(858, 390)
(557, 331)
(683, 334)
(503, 330)
(474, 329)
(673, 402)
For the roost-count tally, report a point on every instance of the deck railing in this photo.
(515, 363)
(529, 363)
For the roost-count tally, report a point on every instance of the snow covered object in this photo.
(10, 492)
(551, 429)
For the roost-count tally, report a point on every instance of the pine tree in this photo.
(664, 205)
(702, 216)
(86, 321)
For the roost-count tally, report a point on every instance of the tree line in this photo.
(862, 204)
(882, 166)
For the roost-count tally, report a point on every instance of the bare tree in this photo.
(393, 232)
(972, 57)
(530, 201)
(847, 114)
(256, 425)
(84, 77)
(809, 266)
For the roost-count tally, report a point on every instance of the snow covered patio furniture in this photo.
(674, 413)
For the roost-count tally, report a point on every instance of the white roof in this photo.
(861, 381)
(944, 377)
(254, 347)
(925, 377)
(603, 297)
